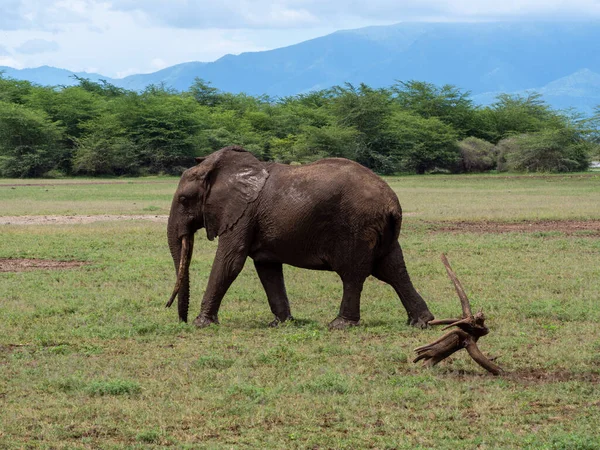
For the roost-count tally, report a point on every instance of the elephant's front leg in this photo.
(271, 277)
(229, 262)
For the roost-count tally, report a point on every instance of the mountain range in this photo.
(559, 60)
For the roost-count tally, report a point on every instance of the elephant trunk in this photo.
(181, 251)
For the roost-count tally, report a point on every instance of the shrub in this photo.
(558, 150)
(476, 155)
(503, 148)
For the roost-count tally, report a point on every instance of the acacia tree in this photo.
(594, 134)
(204, 93)
(559, 150)
(162, 127)
(423, 144)
(29, 142)
(516, 114)
(72, 107)
(366, 110)
(106, 148)
(14, 91)
(447, 103)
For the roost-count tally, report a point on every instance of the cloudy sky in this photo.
(119, 37)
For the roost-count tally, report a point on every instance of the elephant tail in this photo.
(391, 231)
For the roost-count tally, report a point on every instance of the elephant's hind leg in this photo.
(349, 314)
(353, 264)
(392, 270)
(271, 277)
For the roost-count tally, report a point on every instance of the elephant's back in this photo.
(339, 176)
(337, 188)
(338, 171)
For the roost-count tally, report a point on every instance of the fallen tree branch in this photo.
(469, 329)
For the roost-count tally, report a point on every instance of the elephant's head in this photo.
(214, 194)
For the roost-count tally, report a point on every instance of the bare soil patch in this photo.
(25, 265)
(532, 376)
(61, 220)
(569, 227)
(542, 176)
(540, 376)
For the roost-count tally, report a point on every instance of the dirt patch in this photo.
(26, 265)
(569, 227)
(10, 348)
(531, 376)
(540, 176)
(540, 376)
(61, 220)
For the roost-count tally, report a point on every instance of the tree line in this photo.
(98, 129)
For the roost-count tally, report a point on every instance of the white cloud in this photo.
(121, 37)
(35, 46)
(42, 14)
(254, 14)
(127, 72)
(9, 61)
(57, 15)
(158, 63)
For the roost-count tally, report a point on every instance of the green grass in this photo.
(499, 197)
(90, 358)
(150, 195)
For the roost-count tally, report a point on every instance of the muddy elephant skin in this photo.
(333, 214)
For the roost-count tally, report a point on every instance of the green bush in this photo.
(553, 150)
(503, 148)
(476, 155)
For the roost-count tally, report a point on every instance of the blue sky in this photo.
(120, 37)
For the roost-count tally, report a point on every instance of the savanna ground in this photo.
(90, 358)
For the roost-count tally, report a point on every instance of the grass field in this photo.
(90, 358)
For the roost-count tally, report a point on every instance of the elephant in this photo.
(333, 214)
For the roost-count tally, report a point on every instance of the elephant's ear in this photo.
(233, 180)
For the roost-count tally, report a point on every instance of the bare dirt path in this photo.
(569, 227)
(61, 220)
(25, 265)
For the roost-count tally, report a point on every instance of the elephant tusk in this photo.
(182, 265)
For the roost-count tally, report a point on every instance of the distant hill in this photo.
(180, 77)
(51, 76)
(559, 60)
(580, 90)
